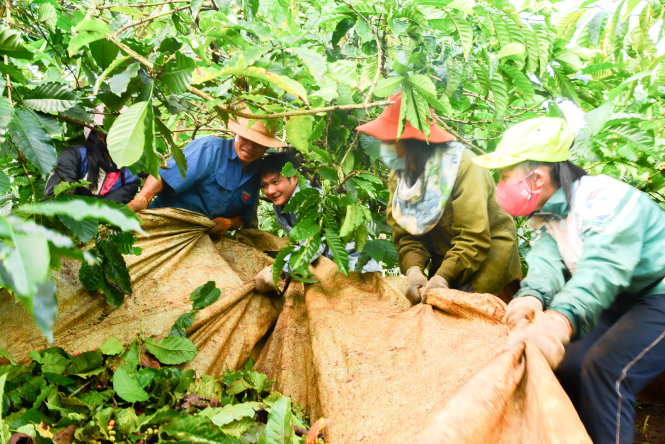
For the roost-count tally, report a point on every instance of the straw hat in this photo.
(259, 132)
(385, 126)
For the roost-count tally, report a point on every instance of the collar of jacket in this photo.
(557, 205)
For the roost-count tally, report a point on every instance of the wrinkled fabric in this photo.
(350, 349)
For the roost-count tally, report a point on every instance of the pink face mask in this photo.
(517, 198)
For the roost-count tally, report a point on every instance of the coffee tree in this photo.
(315, 69)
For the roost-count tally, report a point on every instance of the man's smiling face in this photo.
(247, 150)
(278, 188)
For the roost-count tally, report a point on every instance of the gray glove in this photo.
(524, 307)
(416, 280)
(435, 281)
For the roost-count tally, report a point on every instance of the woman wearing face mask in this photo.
(597, 268)
(443, 212)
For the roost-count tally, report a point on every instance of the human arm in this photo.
(612, 240)
(547, 271)
(67, 169)
(151, 188)
(471, 240)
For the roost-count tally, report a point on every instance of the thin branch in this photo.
(458, 137)
(143, 5)
(186, 130)
(79, 122)
(147, 19)
(207, 97)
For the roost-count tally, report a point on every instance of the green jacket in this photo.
(604, 253)
(474, 241)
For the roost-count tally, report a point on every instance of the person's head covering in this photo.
(542, 139)
(385, 126)
(259, 132)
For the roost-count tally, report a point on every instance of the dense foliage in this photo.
(315, 69)
(126, 394)
(133, 394)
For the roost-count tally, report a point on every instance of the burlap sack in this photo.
(350, 349)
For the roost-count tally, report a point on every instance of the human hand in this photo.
(524, 307)
(435, 281)
(416, 280)
(139, 203)
(222, 225)
(263, 280)
(550, 331)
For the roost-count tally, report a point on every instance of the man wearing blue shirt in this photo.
(220, 180)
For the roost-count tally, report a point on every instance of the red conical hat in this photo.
(385, 126)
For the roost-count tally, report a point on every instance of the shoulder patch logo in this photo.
(245, 196)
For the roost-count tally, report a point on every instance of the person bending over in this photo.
(221, 180)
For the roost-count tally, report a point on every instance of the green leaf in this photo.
(30, 138)
(464, 30)
(520, 81)
(89, 31)
(315, 62)
(109, 69)
(304, 255)
(306, 227)
(288, 170)
(176, 151)
(298, 132)
(86, 364)
(416, 110)
(513, 49)
(257, 73)
(5, 184)
(50, 98)
(382, 250)
(83, 207)
(172, 350)
(126, 138)
(344, 72)
(177, 75)
(112, 347)
(119, 82)
(340, 255)
(229, 413)
(500, 93)
(205, 295)
(127, 386)
(278, 429)
(183, 323)
(11, 44)
(280, 262)
(114, 266)
(387, 87)
(6, 114)
(27, 265)
(84, 230)
(4, 427)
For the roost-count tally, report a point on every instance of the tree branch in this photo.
(147, 19)
(207, 97)
(143, 5)
(458, 137)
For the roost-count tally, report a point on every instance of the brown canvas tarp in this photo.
(350, 349)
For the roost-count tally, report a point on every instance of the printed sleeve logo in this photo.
(245, 196)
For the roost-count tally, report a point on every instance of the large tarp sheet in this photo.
(349, 349)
